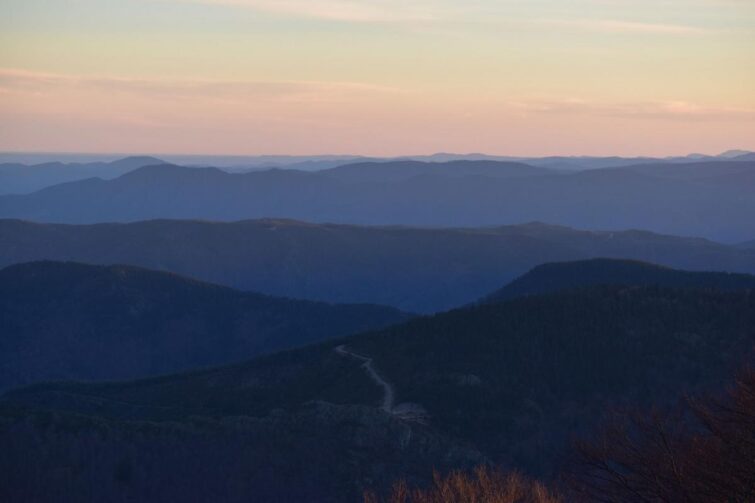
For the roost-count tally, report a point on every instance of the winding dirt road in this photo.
(388, 393)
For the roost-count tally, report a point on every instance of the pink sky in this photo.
(378, 77)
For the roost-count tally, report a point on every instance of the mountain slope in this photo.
(393, 171)
(689, 171)
(517, 378)
(74, 321)
(716, 207)
(510, 382)
(18, 178)
(418, 270)
(553, 277)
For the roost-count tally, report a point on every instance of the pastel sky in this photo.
(377, 77)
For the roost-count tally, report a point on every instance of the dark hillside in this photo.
(552, 277)
(414, 269)
(75, 321)
(511, 382)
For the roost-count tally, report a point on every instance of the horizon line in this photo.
(352, 155)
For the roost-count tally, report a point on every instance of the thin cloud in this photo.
(337, 10)
(618, 26)
(19, 80)
(392, 11)
(677, 110)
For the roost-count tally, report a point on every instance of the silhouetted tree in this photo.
(485, 485)
(705, 453)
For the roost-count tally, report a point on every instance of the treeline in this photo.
(483, 485)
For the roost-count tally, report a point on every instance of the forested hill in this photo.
(414, 269)
(510, 382)
(552, 277)
(75, 321)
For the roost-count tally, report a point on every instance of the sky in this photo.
(377, 77)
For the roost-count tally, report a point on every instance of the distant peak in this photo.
(138, 161)
(156, 169)
(730, 154)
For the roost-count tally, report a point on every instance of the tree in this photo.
(484, 485)
(705, 453)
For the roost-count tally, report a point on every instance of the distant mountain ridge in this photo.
(709, 199)
(414, 269)
(553, 277)
(83, 322)
(18, 178)
(734, 154)
(394, 171)
(318, 162)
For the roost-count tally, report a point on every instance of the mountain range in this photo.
(507, 382)
(17, 178)
(417, 270)
(238, 163)
(321, 328)
(708, 199)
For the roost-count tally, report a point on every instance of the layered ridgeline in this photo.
(81, 322)
(713, 199)
(16, 178)
(553, 277)
(22, 173)
(506, 382)
(419, 270)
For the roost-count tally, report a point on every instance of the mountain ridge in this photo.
(431, 199)
(557, 276)
(17, 178)
(82, 321)
(414, 269)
